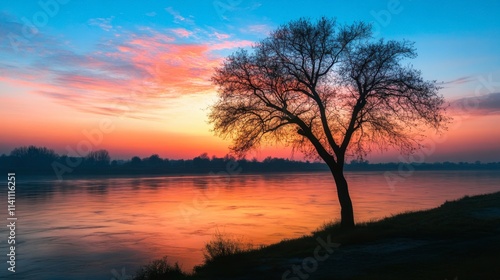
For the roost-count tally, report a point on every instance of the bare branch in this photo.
(320, 86)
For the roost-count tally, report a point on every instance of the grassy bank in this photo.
(458, 240)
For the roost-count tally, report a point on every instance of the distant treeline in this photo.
(43, 161)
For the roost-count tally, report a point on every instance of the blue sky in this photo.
(444, 31)
(158, 56)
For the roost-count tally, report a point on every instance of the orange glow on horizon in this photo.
(47, 126)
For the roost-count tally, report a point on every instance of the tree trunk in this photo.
(346, 210)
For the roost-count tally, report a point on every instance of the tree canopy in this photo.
(326, 89)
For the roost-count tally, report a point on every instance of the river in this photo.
(97, 228)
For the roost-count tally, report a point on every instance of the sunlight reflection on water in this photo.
(82, 229)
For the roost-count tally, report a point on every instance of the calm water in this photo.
(83, 229)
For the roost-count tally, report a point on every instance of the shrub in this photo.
(160, 270)
(222, 246)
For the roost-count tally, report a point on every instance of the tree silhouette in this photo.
(34, 153)
(98, 158)
(135, 161)
(37, 159)
(328, 90)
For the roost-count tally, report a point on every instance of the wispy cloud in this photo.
(178, 18)
(143, 69)
(220, 36)
(181, 32)
(257, 29)
(103, 23)
(173, 69)
(459, 81)
(488, 104)
(21, 38)
(235, 8)
(231, 44)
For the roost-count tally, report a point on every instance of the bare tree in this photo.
(99, 157)
(328, 90)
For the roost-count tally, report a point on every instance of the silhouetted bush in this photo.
(160, 270)
(222, 245)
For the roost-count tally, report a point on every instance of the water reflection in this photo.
(82, 229)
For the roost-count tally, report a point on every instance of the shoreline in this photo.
(413, 245)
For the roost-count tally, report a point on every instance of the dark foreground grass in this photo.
(461, 240)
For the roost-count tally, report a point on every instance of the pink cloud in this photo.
(144, 69)
(172, 69)
(181, 32)
(220, 36)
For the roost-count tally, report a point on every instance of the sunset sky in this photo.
(133, 77)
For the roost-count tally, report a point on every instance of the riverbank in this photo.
(458, 240)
